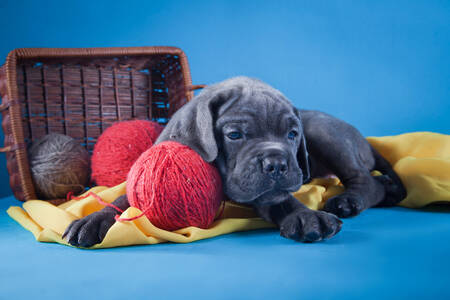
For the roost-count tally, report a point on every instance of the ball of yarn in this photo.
(58, 165)
(175, 187)
(118, 147)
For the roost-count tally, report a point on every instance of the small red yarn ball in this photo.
(118, 147)
(175, 187)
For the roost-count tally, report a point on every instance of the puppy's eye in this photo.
(234, 135)
(292, 134)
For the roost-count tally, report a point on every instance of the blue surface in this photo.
(393, 253)
(381, 65)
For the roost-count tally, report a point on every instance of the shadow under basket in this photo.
(80, 93)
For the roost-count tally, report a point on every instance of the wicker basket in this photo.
(80, 93)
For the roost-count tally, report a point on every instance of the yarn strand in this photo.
(99, 200)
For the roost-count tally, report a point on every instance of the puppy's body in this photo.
(265, 149)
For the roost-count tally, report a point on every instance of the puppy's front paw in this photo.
(89, 230)
(345, 205)
(310, 226)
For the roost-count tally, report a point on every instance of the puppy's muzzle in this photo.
(274, 164)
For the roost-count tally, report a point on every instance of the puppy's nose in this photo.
(274, 166)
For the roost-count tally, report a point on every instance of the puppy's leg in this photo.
(297, 222)
(393, 186)
(347, 154)
(92, 229)
(362, 191)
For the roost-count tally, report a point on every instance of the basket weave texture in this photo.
(80, 93)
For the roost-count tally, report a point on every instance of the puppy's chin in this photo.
(268, 196)
(240, 196)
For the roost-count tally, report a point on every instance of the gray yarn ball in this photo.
(59, 165)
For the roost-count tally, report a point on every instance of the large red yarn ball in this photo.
(118, 147)
(175, 187)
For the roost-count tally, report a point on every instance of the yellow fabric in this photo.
(421, 159)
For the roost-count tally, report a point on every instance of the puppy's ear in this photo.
(193, 124)
(303, 160)
(302, 153)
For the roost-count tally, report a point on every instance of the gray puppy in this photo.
(265, 149)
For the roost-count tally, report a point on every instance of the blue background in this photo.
(383, 66)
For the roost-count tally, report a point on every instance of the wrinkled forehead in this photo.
(258, 107)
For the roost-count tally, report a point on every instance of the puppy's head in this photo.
(252, 133)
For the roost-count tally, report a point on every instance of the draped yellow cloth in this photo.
(421, 159)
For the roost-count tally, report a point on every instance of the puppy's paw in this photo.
(89, 230)
(345, 205)
(310, 226)
(394, 191)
